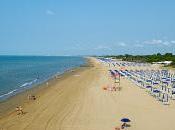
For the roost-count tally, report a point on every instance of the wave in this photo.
(20, 89)
(39, 69)
(9, 93)
(28, 83)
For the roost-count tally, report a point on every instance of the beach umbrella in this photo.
(165, 82)
(156, 91)
(148, 86)
(125, 120)
(155, 83)
(173, 81)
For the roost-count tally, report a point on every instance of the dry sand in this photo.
(78, 102)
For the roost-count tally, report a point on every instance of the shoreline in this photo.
(78, 101)
(32, 78)
(8, 105)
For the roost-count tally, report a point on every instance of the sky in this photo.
(86, 27)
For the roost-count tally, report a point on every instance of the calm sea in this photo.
(18, 73)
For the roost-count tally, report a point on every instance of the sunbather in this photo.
(19, 110)
(123, 125)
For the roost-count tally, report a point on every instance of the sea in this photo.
(19, 73)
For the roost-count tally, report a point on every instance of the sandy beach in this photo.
(78, 102)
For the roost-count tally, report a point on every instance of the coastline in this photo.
(78, 101)
(8, 105)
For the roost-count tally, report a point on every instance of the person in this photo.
(29, 97)
(117, 128)
(32, 97)
(123, 125)
(21, 110)
(17, 110)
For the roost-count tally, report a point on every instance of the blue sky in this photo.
(86, 27)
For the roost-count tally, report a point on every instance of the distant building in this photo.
(163, 62)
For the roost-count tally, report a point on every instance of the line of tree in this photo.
(146, 58)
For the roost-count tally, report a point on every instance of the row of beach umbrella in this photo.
(159, 83)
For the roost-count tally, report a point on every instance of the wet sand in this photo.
(78, 102)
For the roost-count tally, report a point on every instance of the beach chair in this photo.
(165, 99)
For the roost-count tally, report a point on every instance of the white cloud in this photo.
(159, 42)
(122, 44)
(166, 43)
(137, 41)
(50, 12)
(138, 45)
(102, 47)
(154, 42)
(173, 42)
